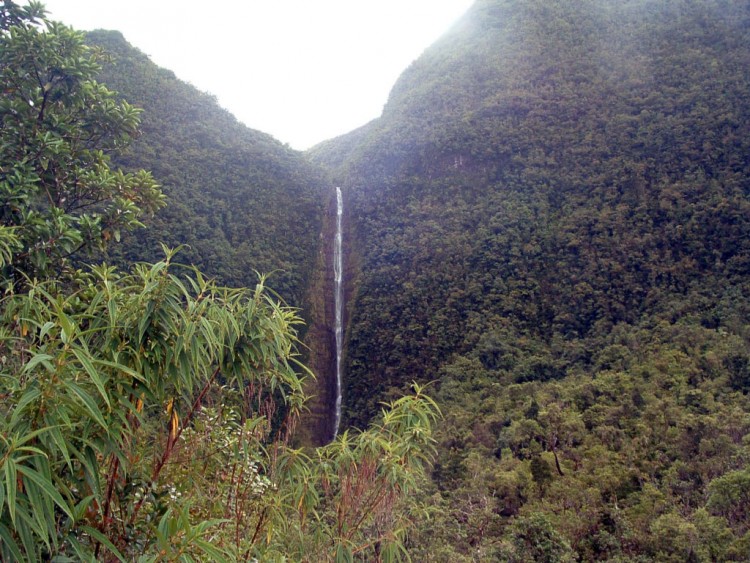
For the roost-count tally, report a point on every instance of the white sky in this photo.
(302, 70)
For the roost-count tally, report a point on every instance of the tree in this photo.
(729, 496)
(58, 129)
(533, 538)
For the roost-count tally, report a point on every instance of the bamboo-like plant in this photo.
(109, 450)
(100, 385)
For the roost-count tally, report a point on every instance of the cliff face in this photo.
(320, 339)
(551, 224)
(317, 424)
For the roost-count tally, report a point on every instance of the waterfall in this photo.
(338, 303)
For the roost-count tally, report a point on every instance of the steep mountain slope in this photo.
(241, 201)
(551, 219)
(553, 170)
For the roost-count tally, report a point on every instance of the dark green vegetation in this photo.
(552, 220)
(238, 201)
(147, 415)
(241, 201)
(59, 194)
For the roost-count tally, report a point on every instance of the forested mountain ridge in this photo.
(240, 200)
(557, 177)
(239, 203)
(551, 219)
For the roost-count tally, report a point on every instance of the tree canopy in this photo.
(59, 194)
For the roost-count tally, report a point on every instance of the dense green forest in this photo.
(238, 202)
(552, 222)
(238, 199)
(548, 230)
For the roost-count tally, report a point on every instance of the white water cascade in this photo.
(338, 304)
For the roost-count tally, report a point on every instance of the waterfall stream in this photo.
(338, 303)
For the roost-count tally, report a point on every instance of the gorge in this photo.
(549, 222)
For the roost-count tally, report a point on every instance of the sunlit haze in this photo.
(302, 70)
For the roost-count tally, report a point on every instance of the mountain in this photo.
(238, 199)
(550, 220)
(239, 203)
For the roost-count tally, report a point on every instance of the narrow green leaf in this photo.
(67, 327)
(10, 544)
(81, 552)
(214, 553)
(28, 397)
(93, 374)
(101, 538)
(88, 403)
(123, 368)
(41, 510)
(344, 554)
(47, 487)
(37, 359)
(10, 487)
(28, 529)
(61, 444)
(45, 329)
(19, 441)
(112, 310)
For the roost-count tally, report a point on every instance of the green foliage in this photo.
(535, 539)
(147, 415)
(57, 189)
(352, 498)
(238, 200)
(605, 456)
(729, 496)
(87, 376)
(551, 216)
(141, 416)
(525, 180)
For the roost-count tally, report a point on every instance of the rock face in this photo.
(320, 340)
